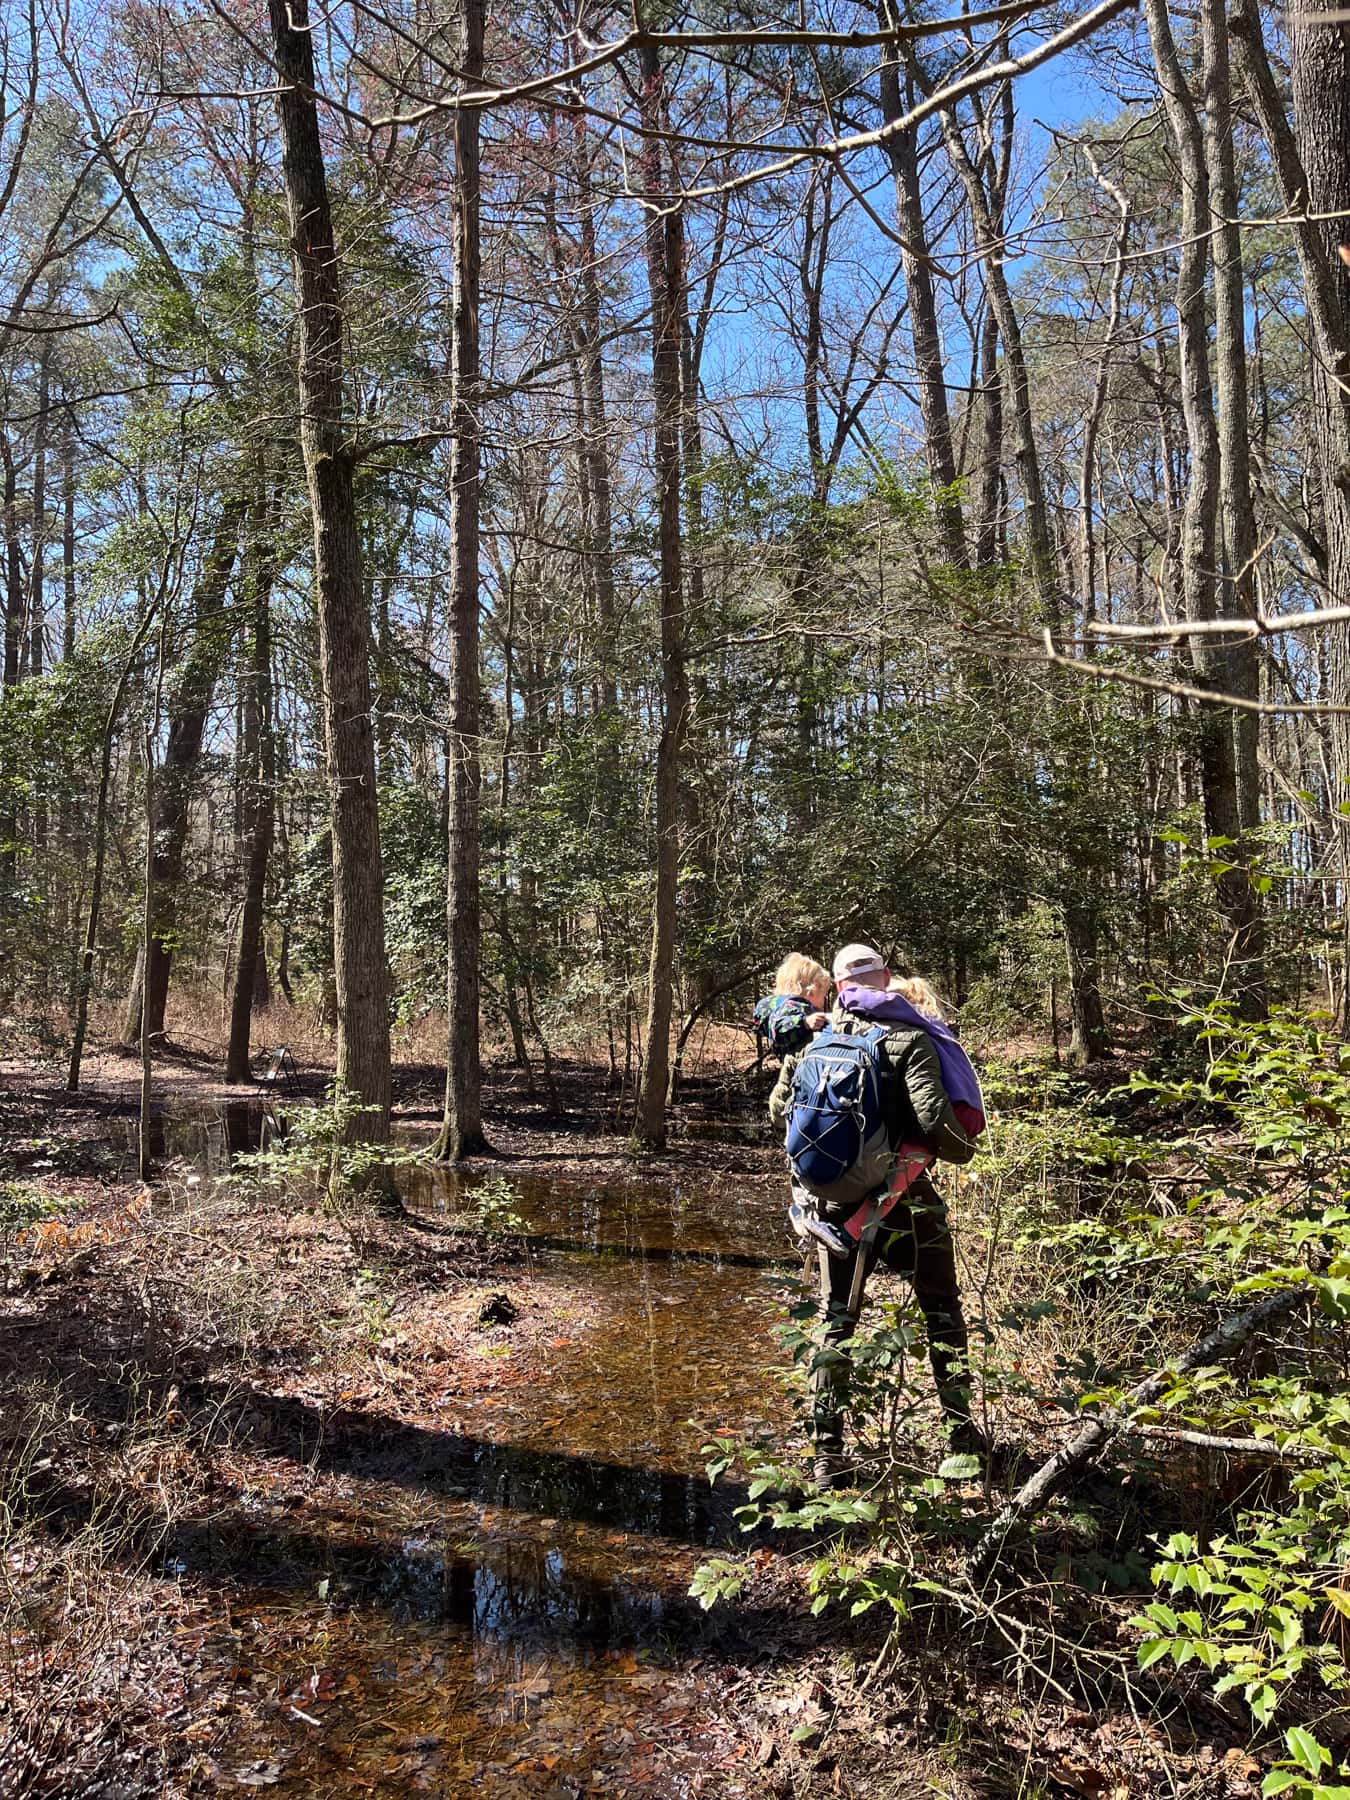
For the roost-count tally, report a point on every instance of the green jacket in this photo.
(917, 1107)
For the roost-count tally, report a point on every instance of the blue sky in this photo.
(1060, 94)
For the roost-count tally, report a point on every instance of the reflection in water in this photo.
(648, 1217)
(555, 1531)
(243, 1128)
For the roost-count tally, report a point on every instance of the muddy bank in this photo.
(437, 1489)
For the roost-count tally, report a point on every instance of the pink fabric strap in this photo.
(910, 1162)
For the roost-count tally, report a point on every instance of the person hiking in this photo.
(914, 1238)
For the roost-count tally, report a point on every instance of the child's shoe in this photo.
(838, 1243)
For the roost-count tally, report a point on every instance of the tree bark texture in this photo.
(462, 1127)
(665, 276)
(361, 975)
(15, 598)
(150, 732)
(929, 369)
(1320, 69)
(188, 713)
(1199, 533)
(68, 582)
(259, 797)
(989, 469)
(1241, 674)
(1230, 364)
(14, 617)
(1039, 537)
(595, 448)
(85, 980)
(1321, 109)
(1087, 546)
(1077, 906)
(37, 601)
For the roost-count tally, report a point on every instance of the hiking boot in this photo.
(830, 1471)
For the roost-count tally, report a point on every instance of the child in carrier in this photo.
(789, 1018)
(907, 1000)
(794, 1012)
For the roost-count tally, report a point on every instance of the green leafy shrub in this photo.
(318, 1150)
(496, 1204)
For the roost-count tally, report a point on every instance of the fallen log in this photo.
(1218, 1346)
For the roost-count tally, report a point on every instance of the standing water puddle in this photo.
(499, 1606)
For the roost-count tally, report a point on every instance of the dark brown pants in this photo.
(914, 1240)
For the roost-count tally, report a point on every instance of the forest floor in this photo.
(286, 1486)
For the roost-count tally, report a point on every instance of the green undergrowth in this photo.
(318, 1149)
(1104, 1235)
(22, 1204)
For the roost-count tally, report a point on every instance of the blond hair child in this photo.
(919, 994)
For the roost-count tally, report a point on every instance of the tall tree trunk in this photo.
(14, 611)
(1321, 112)
(85, 979)
(1320, 67)
(812, 265)
(595, 445)
(150, 733)
(1199, 536)
(519, 1051)
(1077, 899)
(259, 797)
(462, 1127)
(1088, 1037)
(1087, 547)
(1241, 676)
(69, 808)
(697, 835)
(362, 978)
(15, 599)
(69, 590)
(37, 603)
(188, 713)
(145, 1168)
(37, 606)
(665, 267)
(929, 367)
(989, 470)
(1036, 515)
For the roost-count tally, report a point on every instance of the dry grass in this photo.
(197, 1024)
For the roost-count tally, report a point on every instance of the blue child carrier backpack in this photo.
(837, 1142)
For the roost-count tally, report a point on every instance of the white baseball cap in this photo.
(856, 959)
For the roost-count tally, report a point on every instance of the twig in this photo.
(1232, 1446)
(1014, 1632)
(1217, 1346)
